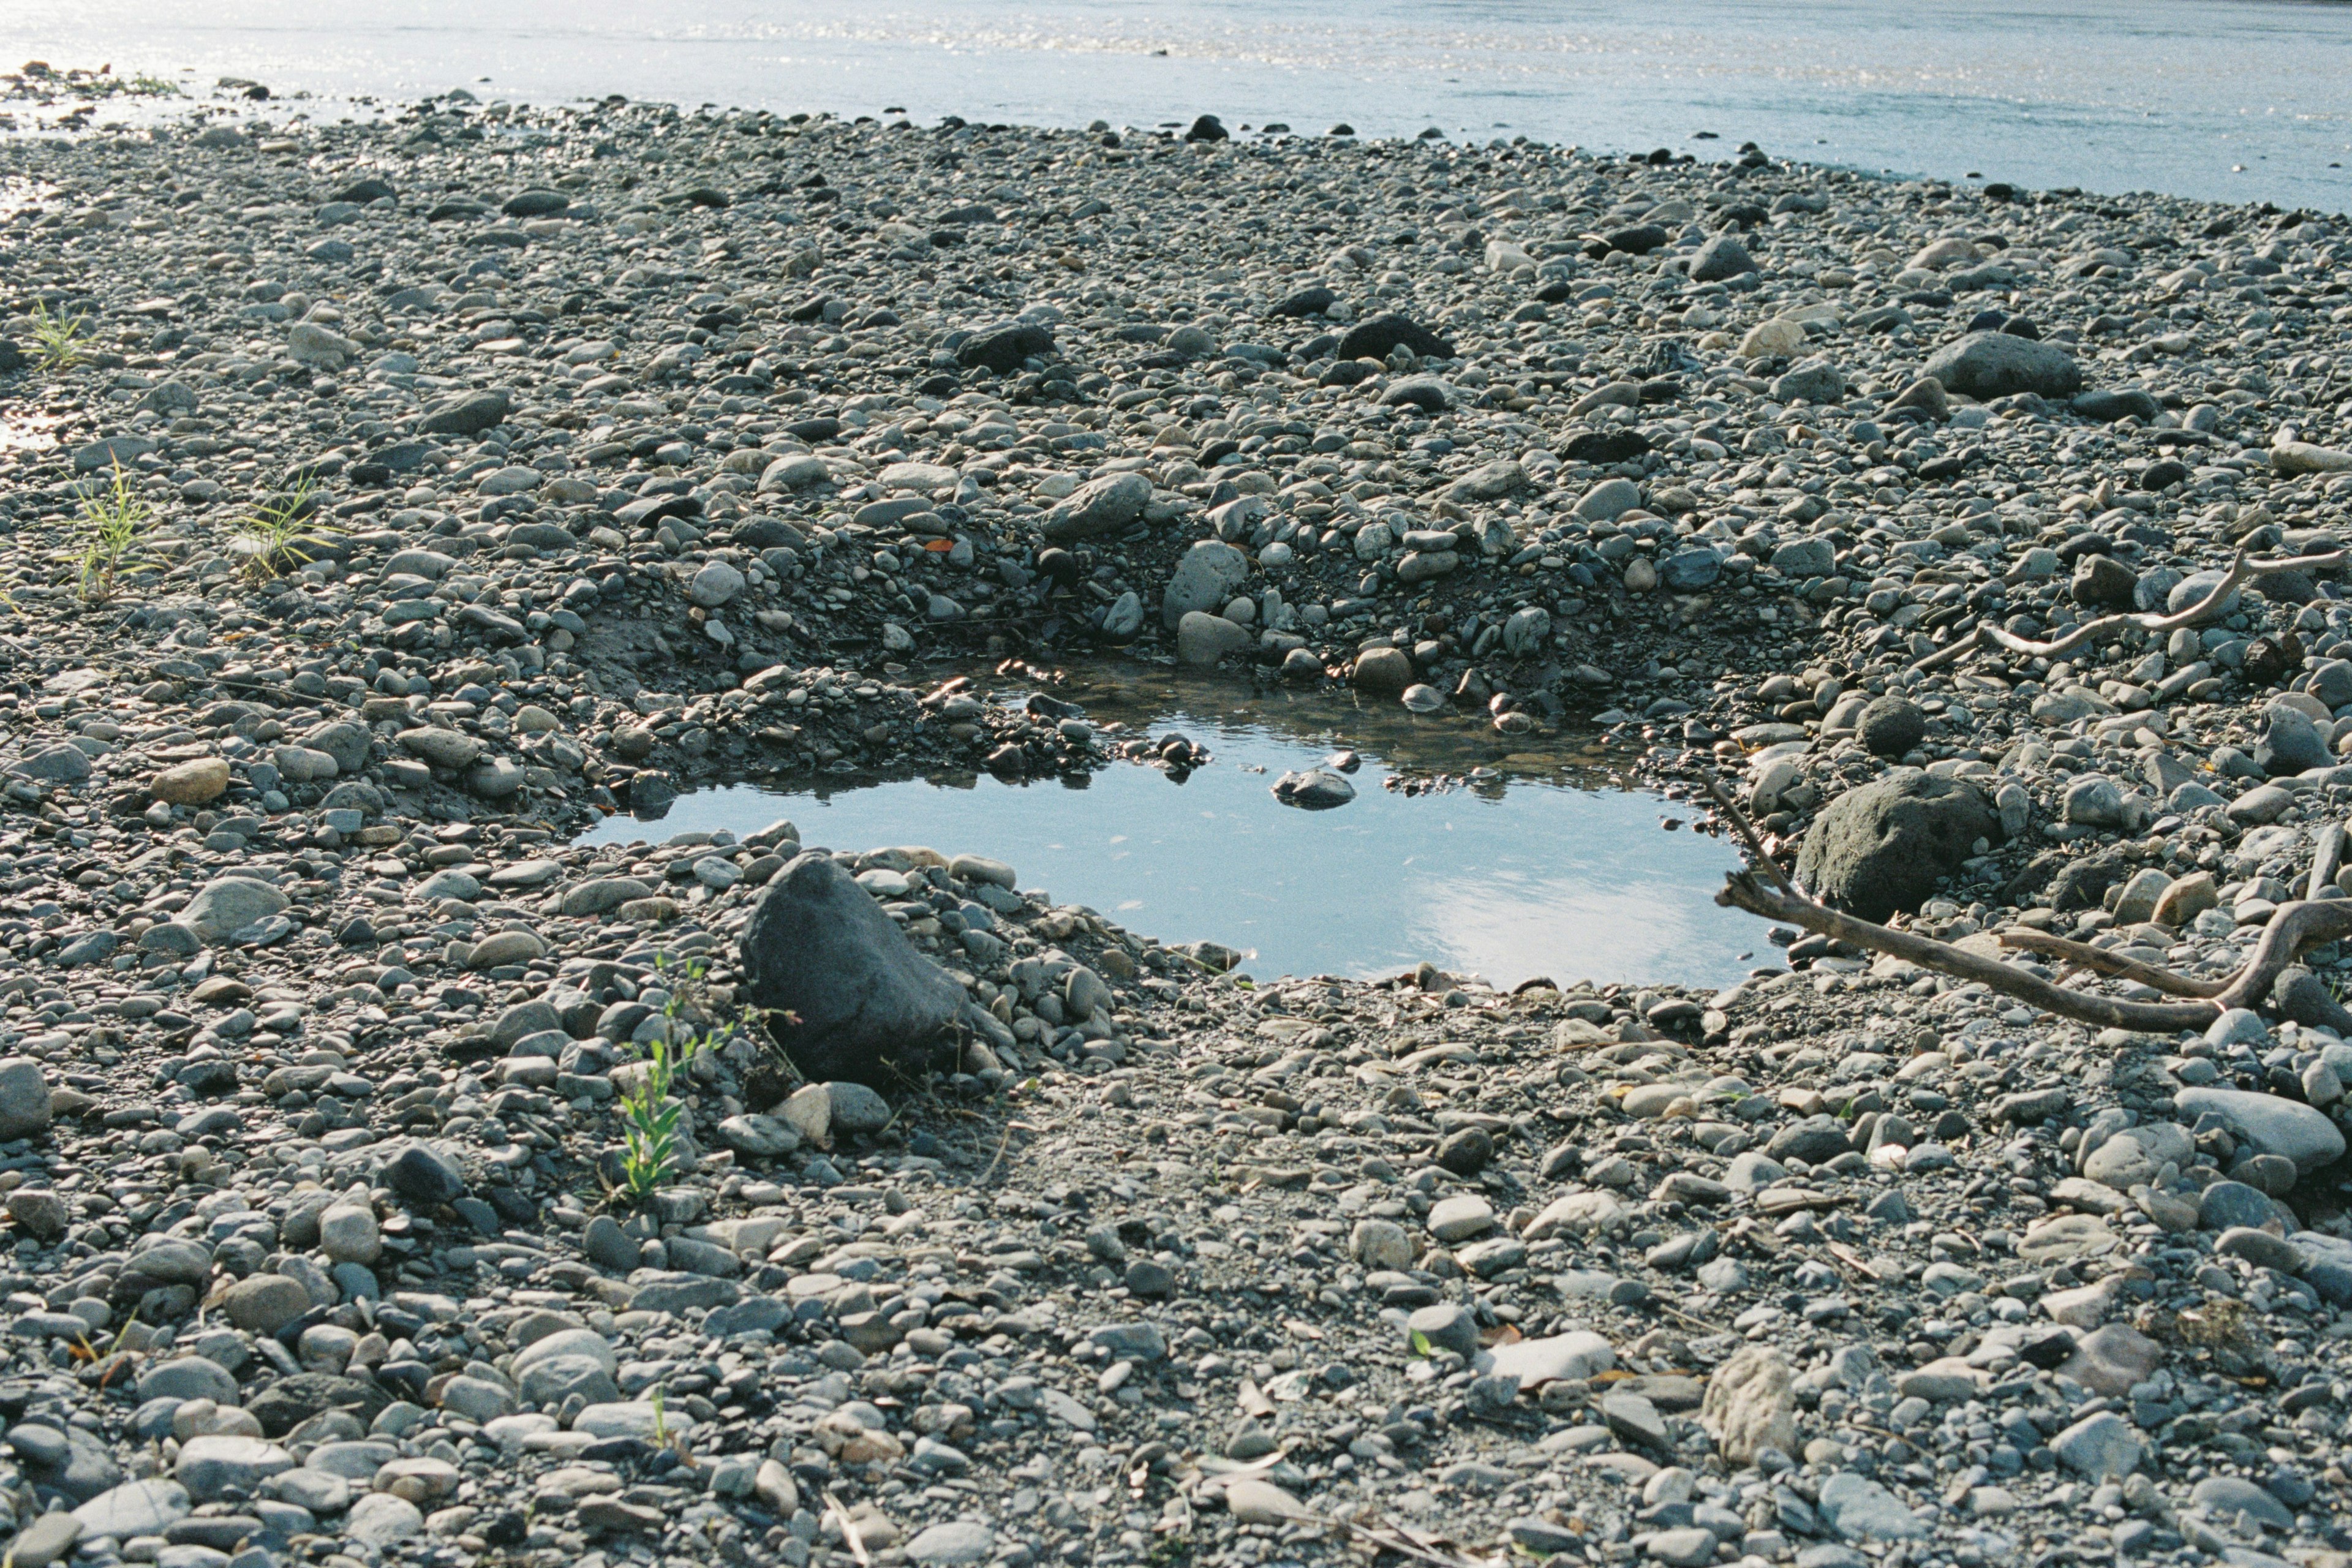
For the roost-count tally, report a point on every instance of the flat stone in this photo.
(1859, 1509)
(1444, 1327)
(634, 1418)
(2226, 1496)
(952, 1545)
(1460, 1217)
(380, 1518)
(1636, 1420)
(45, 1540)
(229, 904)
(2104, 1446)
(2066, 1238)
(2270, 1124)
(209, 1466)
(1571, 1357)
(191, 784)
(188, 1377)
(135, 1507)
(265, 1303)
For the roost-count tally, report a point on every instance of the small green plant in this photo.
(108, 529)
(282, 533)
(56, 339)
(649, 1120)
(661, 1419)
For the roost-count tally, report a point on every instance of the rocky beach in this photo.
(391, 1181)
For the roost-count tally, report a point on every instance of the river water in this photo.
(2238, 100)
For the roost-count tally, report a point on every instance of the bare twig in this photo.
(2099, 960)
(1391, 1538)
(1739, 823)
(2306, 922)
(1009, 1129)
(849, 1532)
(2295, 926)
(1743, 890)
(2241, 568)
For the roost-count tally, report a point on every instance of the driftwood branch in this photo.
(2295, 926)
(2241, 569)
(2100, 960)
(1769, 867)
(2306, 922)
(1744, 890)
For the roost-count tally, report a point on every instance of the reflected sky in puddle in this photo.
(1544, 868)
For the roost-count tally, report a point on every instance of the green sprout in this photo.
(280, 536)
(649, 1120)
(110, 525)
(57, 339)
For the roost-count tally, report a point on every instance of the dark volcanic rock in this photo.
(1890, 726)
(1001, 349)
(1378, 337)
(1884, 847)
(290, 1401)
(818, 946)
(1308, 302)
(1603, 447)
(467, 412)
(1996, 364)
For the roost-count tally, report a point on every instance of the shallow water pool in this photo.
(1458, 849)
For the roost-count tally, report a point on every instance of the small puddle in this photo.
(1457, 849)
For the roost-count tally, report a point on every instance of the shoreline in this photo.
(649, 470)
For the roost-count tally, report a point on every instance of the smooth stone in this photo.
(2270, 1125)
(1859, 1509)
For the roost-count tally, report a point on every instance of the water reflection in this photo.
(1545, 868)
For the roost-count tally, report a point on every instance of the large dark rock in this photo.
(1001, 349)
(292, 1400)
(467, 413)
(2082, 884)
(818, 946)
(537, 202)
(1720, 257)
(2129, 403)
(2303, 996)
(2103, 582)
(1890, 726)
(362, 192)
(1311, 300)
(1378, 337)
(1605, 447)
(1986, 365)
(1884, 847)
(424, 1176)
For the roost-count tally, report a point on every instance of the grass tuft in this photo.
(56, 339)
(280, 537)
(108, 529)
(649, 1120)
